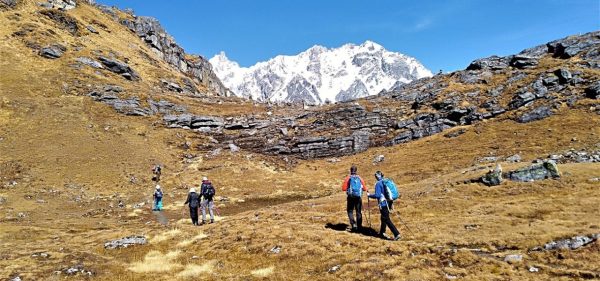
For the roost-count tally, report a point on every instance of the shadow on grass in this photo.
(366, 231)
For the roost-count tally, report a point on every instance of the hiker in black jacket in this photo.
(194, 200)
(208, 192)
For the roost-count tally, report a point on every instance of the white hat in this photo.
(157, 186)
(204, 178)
(192, 190)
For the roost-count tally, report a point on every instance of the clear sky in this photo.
(444, 35)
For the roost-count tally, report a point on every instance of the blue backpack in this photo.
(354, 187)
(390, 190)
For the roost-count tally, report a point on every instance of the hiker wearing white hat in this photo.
(208, 192)
(193, 199)
(158, 195)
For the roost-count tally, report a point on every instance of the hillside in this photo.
(77, 143)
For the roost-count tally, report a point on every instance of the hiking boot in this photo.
(212, 221)
(203, 223)
(398, 237)
(384, 236)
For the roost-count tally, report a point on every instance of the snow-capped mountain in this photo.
(319, 74)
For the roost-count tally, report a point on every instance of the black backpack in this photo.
(209, 192)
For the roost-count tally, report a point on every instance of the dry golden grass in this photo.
(78, 156)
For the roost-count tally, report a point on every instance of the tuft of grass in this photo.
(156, 261)
(263, 272)
(193, 270)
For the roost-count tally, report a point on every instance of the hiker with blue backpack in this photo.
(354, 186)
(158, 195)
(385, 193)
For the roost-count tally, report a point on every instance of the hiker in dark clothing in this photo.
(383, 208)
(208, 192)
(157, 170)
(354, 186)
(158, 195)
(194, 200)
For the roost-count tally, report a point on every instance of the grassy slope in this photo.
(78, 156)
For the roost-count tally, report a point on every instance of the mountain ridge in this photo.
(319, 74)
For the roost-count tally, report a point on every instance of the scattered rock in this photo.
(564, 75)
(514, 158)
(513, 258)
(89, 62)
(8, 3)
(125, 242)
(92, 29)
(284, 131)
(547, 169)
(334, 268)
(471, 226)
(492, 63)
(275, 250)
(379, 158)
(493, 177)
(40, 255)
(533, 269)
(139, 205)
(450, 276)
(2, 200)
(593, 91)
(53, 51)
(73, 270)
(234, 148)
(59, 4)
(119, 67)
(535, 114)
(522, 62)
(572, 243)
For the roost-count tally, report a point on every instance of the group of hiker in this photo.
(203, 200)
(354, 186)
(385, 194)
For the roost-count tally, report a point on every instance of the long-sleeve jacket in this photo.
(204, 188)
(346, 183)
(158, 194)
(379, 194)
(193, 199)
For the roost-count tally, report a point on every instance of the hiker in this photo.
(193, 199)
(354, 186)
(156, 171)
(379, 195)
(208, 192)
(158, 195)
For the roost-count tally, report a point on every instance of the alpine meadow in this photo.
(125, 157)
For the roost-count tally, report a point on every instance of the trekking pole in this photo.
(369, 212)
(405, 225)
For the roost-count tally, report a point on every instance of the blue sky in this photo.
(444, 35)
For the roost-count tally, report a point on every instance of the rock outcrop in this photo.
(155, 36)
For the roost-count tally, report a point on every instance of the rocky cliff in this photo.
(525, 87)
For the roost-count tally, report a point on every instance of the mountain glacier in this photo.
(320, 75)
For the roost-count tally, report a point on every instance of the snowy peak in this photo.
(319, 74)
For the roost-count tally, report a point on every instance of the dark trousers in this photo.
(386, 221)
(354, 204)
(194, 215)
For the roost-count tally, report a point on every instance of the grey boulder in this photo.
(125, 242)
(119, 67)
(53, 51)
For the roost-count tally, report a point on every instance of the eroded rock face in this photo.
(63, 20)
(153, 34)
